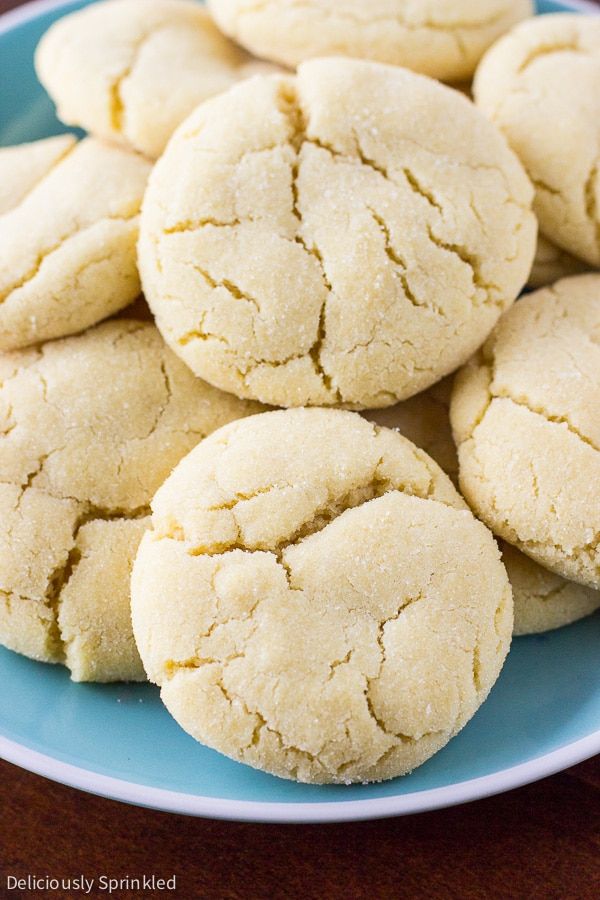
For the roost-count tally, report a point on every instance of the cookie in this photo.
(318, 240)
(67, 249)
(93, 622)
(551, 264)
(440, 39)
(132, 70)
(316, 601)
(525, 415)
(542, 600)
(91, 425)
(23, 166)
(541, 85)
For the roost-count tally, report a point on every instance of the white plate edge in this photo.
(34, 7)
(298, 813)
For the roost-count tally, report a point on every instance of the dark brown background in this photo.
(542, 841)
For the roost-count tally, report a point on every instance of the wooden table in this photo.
(542, 841)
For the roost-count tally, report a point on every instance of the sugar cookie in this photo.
(23, 166)
(91, 425)
(526, 418)
(542, 600)
(318, 240)
(551, 264)
(67, 250)
(315, 599)
(541, 85)
(441, 39)
(132, 70)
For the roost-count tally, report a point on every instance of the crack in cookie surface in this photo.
(67, 250)
(75, 455)
(544, 73)
(17, 194)
(131, 71)
(48, 252)
(308, 587)
(527, 400)
(394, 208)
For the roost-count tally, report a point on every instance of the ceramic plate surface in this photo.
(118, 741)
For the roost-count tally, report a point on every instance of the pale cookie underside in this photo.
(439, 39)
(341, 591)
(301, 258)
(541, 85)
(132, 70)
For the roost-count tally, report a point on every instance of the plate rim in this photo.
(33, 8)
(291, 812)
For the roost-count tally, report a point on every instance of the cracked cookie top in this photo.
(315, 599)
(526, 417)
(345, 237)
(67, 247)
(541, 85)
(24, 165)
(89, 428)
(132, 70)
(440, 39)
(542, 599)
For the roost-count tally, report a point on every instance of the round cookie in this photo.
(551, 264)
(525, 415)
(67, 249)
(440, 39)
(24, 165)
(542, 600)
(315, 600)
(541, 85)
(89, 428)
(132, 70)
(300, 256)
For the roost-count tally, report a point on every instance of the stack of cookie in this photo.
(326, 229)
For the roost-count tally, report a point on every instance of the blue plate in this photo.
(119, 741)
